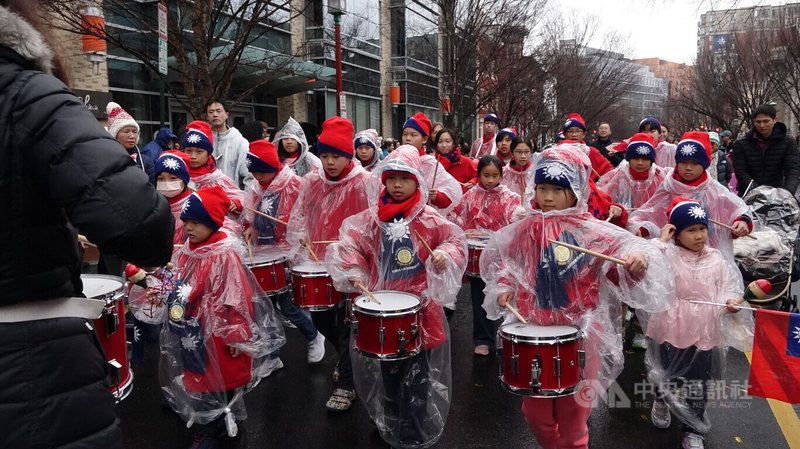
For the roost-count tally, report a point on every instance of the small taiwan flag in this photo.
(775, 367)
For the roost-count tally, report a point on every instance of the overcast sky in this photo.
(666, 29)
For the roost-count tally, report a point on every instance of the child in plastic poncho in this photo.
(293, 149)
(275, 193)
(555, 285)
(327, 198)
(516, 173)
(689, 179)
(636, 179)
(219, 328)
(687, 343)
(444, 190)
(383, 249)
(367, 151)
(485, 208)
(172, 181)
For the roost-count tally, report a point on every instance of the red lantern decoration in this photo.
(394, 94)
(94, 31)
(445, 102)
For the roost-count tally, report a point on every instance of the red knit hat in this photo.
(208, 206)
(574, 120)
(694, 146)
(263, 157)
(641, 146)
(118, 118)
(419, 122)
(198, 135)
(336, 137)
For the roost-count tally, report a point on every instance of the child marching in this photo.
(636, 178)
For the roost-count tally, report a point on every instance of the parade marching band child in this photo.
(690, 180)
(504, 138)
(383, 249)
(687, 343)
(366, 143)
(327, 198)
(293, 148)
(555, 285)
(198, 143)
(575, 130)
(460, 167)
(219, 330)
(665, 151)
(172, 181)
(274, 193)
(636, 179)
(486, 208)
(515, 174)
(446, 192)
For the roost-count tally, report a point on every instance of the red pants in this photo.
(558, 423)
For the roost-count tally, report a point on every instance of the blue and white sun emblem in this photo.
(185, 206)
(193, 138)
(249, 162)
(697, 212)
(190, 342)
(554, 172)
(796, 334)
(170, 163)
(397, 230)
(688, 149)
(721, 41)
(643, 150)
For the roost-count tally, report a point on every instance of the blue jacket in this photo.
(154, 148)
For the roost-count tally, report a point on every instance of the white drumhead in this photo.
(472, 243)
(535, 331)
(309, 267)
(263, 259)
(390, 301)
(97, 285)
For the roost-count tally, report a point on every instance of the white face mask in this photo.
(169, 188)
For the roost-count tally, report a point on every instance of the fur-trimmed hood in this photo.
(18, 35)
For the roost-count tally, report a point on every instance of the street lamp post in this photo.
(337, 8)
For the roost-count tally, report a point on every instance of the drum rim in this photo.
(315, 274)
(388, 313)
(123, 391)
(266, 263)
(470, 245)
(109, 277)
(392, 357)
(550, 340)
(540, 392)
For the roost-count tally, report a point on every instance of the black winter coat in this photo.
(778, 165)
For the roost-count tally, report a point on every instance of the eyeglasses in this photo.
(523, 152)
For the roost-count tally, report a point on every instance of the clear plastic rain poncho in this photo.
(770, 255)
(176, 206)
(486, 210)
(665, 154)
(217, 178)
(277, 200)
(720, 203)
(516, 180)
(554, 285)
(322, 207)
(306, 161)
(445, 182)
(408, 399)
(631, 193)
(687, 344)
(218, 329)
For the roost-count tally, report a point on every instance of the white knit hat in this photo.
(118, 118)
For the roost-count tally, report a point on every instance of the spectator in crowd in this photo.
(604, 141)
(163, 140)
(230, 148)
(485, 144)
(721, 167)
(726, 141)
(60, 171)
(766, 155)
(256, 130)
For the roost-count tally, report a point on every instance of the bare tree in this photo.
(212, 41)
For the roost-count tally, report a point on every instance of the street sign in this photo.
(162, 38)
(343, 105)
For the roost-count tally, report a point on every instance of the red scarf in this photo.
(516, 167)
(388, 208)
(488, 137)
(186, 192)
(343, 174)
(701, 179)
(209, 167)
(217, 236)
(638, 176)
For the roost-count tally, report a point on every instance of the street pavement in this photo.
(287, 409)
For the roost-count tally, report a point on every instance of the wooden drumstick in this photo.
(589, 252)
(435, 172)
(369, 294)
(311, 252)
(516, 312)
(324, 242)
(82, 238)
(694, 301)
(730, 228)
(276, 220)
(424, 243)
(610, 217)
(249, 248)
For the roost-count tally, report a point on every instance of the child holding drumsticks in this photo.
(556, 285)
(388, 247)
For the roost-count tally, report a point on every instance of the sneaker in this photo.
(660, 415)
(692, 440)
(204, 442)
(639, 342)
(341, 400)
(481, 350)
(316, 348)
(269, 367)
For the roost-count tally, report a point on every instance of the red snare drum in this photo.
(473, 262)
(270, 272)
(541, 361)
(313, 287)
(389, 330)
(110, 329)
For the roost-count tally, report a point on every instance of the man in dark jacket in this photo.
(766, 155)
(602, 143)
(59, 168)
(163, 141)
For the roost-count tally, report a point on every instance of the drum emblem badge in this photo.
(563, 254)
(176, 312)
(404, 256)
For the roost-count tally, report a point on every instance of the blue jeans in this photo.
(482, 329)
(293, 313)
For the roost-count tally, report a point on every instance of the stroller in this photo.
(774, 254)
